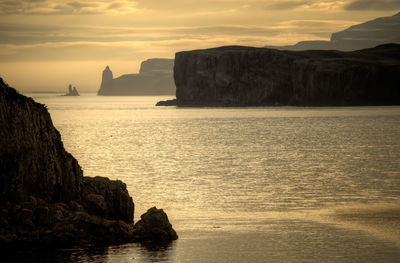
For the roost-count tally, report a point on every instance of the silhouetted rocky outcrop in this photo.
(44, 198)
(172, 102)
(376, 32)
(72, 91)
(154, 225)
(155, 78)
(247, 76)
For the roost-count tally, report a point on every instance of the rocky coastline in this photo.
(249, 76)
(46, 200)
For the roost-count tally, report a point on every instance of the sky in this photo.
(47, 44)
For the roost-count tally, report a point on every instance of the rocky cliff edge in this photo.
(248, 76)
(44, 198)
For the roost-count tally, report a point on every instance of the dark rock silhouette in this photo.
(172, 102)
(248, 76)
(106, 81)
(366, 35)
(155, 78)
(107, 198)
(72, 91)
(154, 226)
(44, 198)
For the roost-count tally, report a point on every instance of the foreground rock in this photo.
(155, 78)
(247, 76)
(44, 198)
(154, 226)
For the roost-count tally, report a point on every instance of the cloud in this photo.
(28, 34)
(304, 4)
(60, 7)
(52, 42)
(285, 5)
(373, 5)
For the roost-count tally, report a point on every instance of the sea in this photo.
(252, 184)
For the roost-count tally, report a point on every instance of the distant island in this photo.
(366, 35)
(249, 76)
(155, 78)
(72, 91)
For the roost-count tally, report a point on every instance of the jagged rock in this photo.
(106, 80)
(155, 78)
(72, 91)
(107, 198)
(154, 226)
(44, 198)
(248, 76)
(33, 161)
(172, 102)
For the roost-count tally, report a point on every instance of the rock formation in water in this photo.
(172, 102)
(376, 32)
(248, 76)
(154, 226)
(155, 78)
(44, 198)
(72, 91)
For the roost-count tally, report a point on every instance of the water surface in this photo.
(239, 184)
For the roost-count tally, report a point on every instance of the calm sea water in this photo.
(238, 184)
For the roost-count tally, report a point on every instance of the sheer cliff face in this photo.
(156, 66)
(33, 160)
(245, 76)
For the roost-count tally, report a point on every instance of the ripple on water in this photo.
(234, 167)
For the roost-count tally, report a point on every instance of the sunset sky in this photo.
(45, 45)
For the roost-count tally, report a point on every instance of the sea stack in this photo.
(106, 80)
(44, 198)
(72, 91)
(249, 76)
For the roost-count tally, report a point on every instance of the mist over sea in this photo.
(239, 184)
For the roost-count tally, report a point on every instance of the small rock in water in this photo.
(173, 102)
(154, 226)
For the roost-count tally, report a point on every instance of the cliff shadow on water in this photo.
(46, 200)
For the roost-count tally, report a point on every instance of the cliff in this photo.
(33, 159)
(372, 33)
(247, 76)
(155, 78)
(44, 197)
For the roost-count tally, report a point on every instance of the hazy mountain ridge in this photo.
(372, 33)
